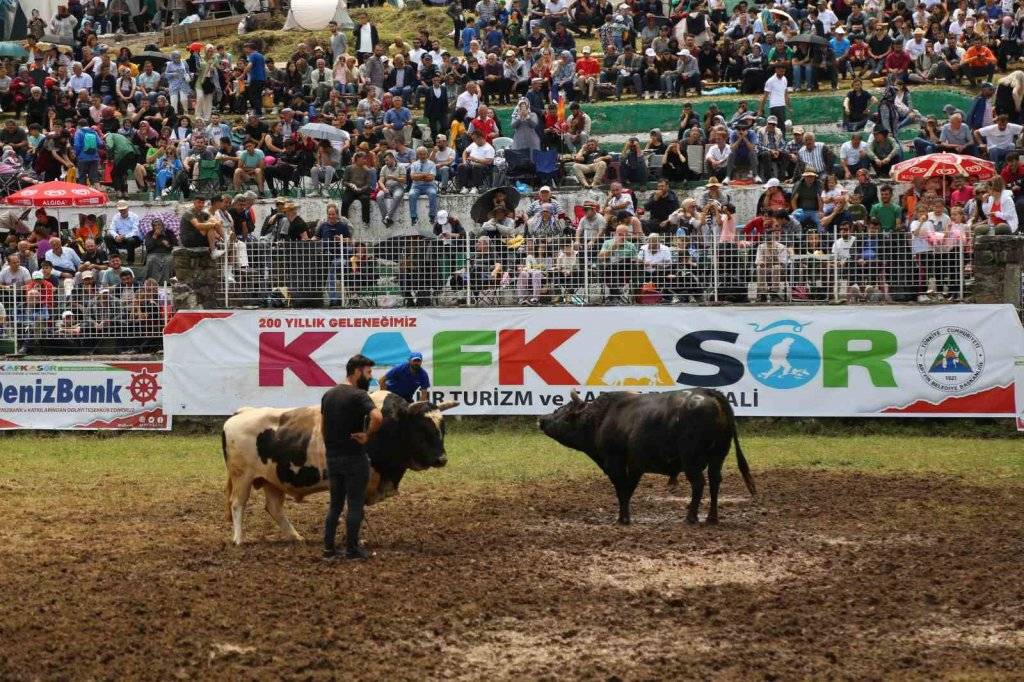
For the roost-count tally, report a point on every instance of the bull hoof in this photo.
(298, 538)
(691, 519)
(713, 520)
(623, 522)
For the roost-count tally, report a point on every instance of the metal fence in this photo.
(76, 317)
(560, 269)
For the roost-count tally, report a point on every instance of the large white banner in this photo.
(794, 361)
(68, 394)
(1019, 384)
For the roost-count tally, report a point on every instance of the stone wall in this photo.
(199, 279)
(998, 274)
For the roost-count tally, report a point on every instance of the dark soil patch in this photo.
(828, 575)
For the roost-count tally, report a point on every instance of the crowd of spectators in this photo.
(84, 290)
(203, 121)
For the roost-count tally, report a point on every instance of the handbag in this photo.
(208, 86)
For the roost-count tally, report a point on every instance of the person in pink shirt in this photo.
(962, 192)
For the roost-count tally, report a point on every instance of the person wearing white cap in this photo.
(685, 75)
(772, 158)
(588, 74)
(124, 232)
(448, 227)
(544, 196)
(839, 44)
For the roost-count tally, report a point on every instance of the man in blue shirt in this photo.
(840, 45)
(88, 143)
(405, 378)
(256, 76)
(423, 174)
(124, 232)
(396, 119)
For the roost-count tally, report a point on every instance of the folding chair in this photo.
(519, 166)
(545, 161)
(208, 179)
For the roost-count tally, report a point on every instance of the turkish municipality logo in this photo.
(950, 359)
(783, 360)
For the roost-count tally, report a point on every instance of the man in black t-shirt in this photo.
(198, 229)
(348, 419)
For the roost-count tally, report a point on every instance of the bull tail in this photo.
(224, 449)
(741, 461)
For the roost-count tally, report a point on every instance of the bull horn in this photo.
(447, 405)
(575, 395)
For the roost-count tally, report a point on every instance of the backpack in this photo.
(90, 143)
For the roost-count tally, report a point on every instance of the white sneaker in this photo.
(757, 179)
(465, 190)
(725, 182)
(217, 253)
(473, 190)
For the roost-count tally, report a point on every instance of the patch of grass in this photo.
(509, 455)
(390, 22)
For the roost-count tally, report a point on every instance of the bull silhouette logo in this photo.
(631, 375)
(783, 360)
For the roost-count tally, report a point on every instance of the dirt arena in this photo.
(827, 575)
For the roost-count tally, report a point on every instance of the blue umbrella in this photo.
(12, 49)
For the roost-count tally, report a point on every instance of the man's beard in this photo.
(363, 383)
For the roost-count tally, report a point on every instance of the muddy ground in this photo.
(827, 575)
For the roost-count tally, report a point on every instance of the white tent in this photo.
(313, 15)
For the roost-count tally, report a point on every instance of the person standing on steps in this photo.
(349, 419)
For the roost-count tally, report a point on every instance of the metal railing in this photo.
(73, 319)
(560, 270)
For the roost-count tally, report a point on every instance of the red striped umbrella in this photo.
(942, 165)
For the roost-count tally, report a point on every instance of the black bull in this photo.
(630, 434)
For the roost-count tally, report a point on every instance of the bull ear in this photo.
(575, 395)
(447, 405)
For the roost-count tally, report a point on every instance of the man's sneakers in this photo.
(356, 554)
(351, 554)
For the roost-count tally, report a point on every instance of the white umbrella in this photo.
(323, 131)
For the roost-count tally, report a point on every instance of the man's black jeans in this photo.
(348, 476)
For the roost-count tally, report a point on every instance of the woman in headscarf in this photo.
(562, 74)
(888, 114)
(524, 125)
(178, 77)
(207, 84)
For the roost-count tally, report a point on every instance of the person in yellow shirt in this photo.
(458, 127)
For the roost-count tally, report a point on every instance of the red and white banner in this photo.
(73, 395)
(946, 360)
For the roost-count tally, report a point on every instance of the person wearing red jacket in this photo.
(45, 288)
(588, 74)
(485, 123)
(897, 62)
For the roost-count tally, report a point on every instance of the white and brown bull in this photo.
(282, 452)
